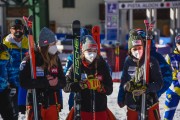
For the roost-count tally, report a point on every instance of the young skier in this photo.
(132, 88)
(6, 110)
(173, 93)
(50, 77)
(95, 78)
(164, 66)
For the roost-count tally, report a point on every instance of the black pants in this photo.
(6, 110)
(14, 104)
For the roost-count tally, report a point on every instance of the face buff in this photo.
(90, 56)
(18, 34)
(52, 49)
(137, 54)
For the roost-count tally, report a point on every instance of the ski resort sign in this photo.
(146, 5)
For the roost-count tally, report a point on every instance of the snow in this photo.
(120, 113)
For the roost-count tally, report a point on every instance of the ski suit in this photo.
(173, 93)
(100, 69)
(17, 52)
(131, 70)
(6, 110)
(48, 105)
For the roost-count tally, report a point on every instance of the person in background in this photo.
(173, 93)
(6, 110)
(132, 87)
(164, 66)
(50, 78)
(93, 70)
(17, 44)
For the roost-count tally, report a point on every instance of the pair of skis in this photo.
(28, 22)
(76, 26)
(149, 27)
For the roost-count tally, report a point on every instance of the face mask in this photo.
(52, 49)
(90, 56)
(18, 34)
(137, 54)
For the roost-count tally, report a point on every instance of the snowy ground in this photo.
(120, 113)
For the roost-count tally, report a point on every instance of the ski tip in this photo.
(76, 21)
(25, 18)
(96, 29)
(30, 18)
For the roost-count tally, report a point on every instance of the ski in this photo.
(149, 27)
(28, 23)
(96, 36)
(76, 67)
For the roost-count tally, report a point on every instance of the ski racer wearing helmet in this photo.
(50, 78)
(173, 93)
(132, 88)
(95, 77)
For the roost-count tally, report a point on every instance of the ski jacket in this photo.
(99, 68)
(16, 54)
(45, 93)
(173, 59)
(165, 70)
(155, 83)
(4, 61)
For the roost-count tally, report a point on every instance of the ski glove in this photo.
(131, 86)
(92, 84)
(138, 92)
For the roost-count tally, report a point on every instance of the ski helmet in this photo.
(88, 43)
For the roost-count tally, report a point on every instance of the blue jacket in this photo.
(4, 71)
(17, 54)
(174, 60)
(165, 70)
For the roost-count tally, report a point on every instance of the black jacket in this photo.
(86, 94)
(45, 93)
(155, 82)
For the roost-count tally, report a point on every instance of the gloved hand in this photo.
(101, 89)
(138, 92)
(21, 116)
(90, 83)
(131, 85)
(12, 92)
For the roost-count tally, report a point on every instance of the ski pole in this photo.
(57, 106)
